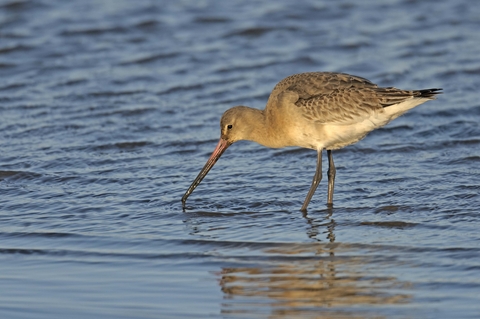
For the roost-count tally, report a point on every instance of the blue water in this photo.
(109, 109)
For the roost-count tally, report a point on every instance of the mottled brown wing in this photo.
(337, 97)
(340, 106)
(318, 83)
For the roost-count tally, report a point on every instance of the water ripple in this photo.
(110, 109)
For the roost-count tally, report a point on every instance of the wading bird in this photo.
(317, 110)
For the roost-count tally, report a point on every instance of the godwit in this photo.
(317, 110)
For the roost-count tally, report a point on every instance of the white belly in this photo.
(336, 135)
(339, 136)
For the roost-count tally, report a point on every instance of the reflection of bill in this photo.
(306, 279)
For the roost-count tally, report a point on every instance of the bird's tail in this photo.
(427, 93)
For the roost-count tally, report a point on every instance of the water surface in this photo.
(109, 109)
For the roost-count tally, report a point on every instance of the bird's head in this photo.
(237, 123)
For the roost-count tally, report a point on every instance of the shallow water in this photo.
(109, 109)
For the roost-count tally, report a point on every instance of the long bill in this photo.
(219, 149)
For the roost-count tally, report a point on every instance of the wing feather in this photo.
(338, 97)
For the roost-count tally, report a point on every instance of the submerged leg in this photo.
(331, 177)
(316, 180)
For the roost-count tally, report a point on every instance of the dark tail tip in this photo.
(428, 93)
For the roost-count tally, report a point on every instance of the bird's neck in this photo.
(261, 130)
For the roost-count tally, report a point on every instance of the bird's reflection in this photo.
(329, 223)
(305, 279)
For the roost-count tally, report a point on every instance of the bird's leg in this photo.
(316, 180)
(331, 177)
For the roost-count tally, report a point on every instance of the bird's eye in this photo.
(229, 126)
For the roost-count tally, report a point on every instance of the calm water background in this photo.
(109, 109)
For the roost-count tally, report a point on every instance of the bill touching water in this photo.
(108, 110)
